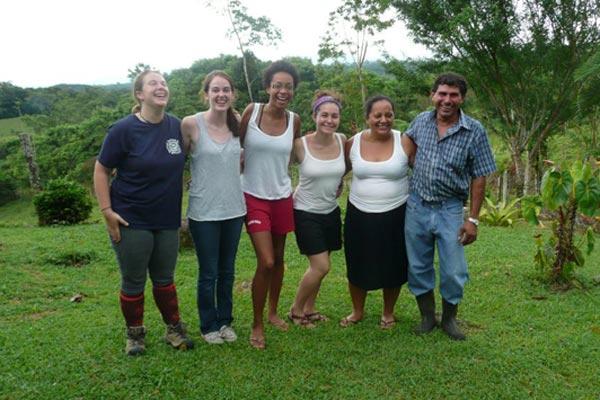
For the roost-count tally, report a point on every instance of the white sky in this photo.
(47, 42)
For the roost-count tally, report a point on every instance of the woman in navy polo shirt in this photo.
(142, 207)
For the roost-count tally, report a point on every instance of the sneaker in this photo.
(213, 337)
(177, 337)
(227, 333)
(135, 344)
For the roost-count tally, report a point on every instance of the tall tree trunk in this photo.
(247, 77)
(29, 151)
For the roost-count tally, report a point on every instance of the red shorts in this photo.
(276, 216)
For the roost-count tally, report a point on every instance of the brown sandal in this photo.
(316, 317)
(347, 322)
(300, 320)
(383, 324)
(257, 343)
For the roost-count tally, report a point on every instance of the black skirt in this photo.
(375, 248)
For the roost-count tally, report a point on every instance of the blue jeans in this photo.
(428, 224)
(216, 245)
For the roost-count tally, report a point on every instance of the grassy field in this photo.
(10, 126)
(525, 341)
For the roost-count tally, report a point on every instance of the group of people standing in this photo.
(239, 170)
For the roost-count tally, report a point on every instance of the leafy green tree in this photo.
(247, 31)
(137, 69)
(350, 32)
(520, 56)
(11, 100)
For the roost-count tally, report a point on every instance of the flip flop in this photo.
(281, 325)
(347, 322)
(257, 343)
(300, 320)
(383, 324)
(316, 317)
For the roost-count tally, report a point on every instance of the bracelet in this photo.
(105, 208)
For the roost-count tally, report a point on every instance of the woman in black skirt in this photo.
(374, 228)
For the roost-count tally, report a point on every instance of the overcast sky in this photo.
(47, 42)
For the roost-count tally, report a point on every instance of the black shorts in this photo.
(316, 233)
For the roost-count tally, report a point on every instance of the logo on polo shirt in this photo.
(173, 146)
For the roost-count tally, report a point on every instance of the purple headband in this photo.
(325, 99)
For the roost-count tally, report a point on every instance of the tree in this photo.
(247, 30)
(11, 100)
(364, 20)
(137, 69)
(520, 57)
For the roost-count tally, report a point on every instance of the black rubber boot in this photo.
(426, 303)
(449, 324)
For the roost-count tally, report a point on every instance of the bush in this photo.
(8, 189)
(63, 202)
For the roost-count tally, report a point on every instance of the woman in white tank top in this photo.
(316, 211)
(216, 208)
(374, 242)
(267, 132)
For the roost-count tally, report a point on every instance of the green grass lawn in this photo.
(525, 341)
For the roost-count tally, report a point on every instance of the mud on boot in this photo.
(177, 337)
(426, 303)
(449, 324)
(135, 344)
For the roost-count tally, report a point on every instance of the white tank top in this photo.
(379, 186)
(319, 180)
(216, 190)
(266, 160)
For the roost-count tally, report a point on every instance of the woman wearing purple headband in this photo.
(316, 211)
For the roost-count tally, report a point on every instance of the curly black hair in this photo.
(279, 66)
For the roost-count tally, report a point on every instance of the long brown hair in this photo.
(232, 121)
(138, 85)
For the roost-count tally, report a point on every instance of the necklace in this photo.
(139, 115)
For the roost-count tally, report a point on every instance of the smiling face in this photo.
(281, 90)
(219, 93)
(155, 92)
(447, 101)
(327, 118)
(381, 117)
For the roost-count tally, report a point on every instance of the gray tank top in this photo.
(216, 189)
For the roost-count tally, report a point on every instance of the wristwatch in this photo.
(474, 221)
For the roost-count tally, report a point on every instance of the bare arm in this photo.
(244, 122)
(298, 151)
(189, 132)
(102, 189)
(468, 232)
(410, 148)
(347, 147)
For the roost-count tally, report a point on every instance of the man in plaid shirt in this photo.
(452, 160)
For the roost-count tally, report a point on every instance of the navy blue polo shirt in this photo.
(149, 160)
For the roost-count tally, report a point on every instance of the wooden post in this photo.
(29, 151)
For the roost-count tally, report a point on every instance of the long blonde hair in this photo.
(138, 85)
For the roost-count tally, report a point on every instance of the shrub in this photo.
(8, 189)
(501, 214)
(567, 191)
(63, 202)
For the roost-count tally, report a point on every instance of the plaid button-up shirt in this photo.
(445, 167)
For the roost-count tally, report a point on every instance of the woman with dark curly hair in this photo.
(267, 133)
